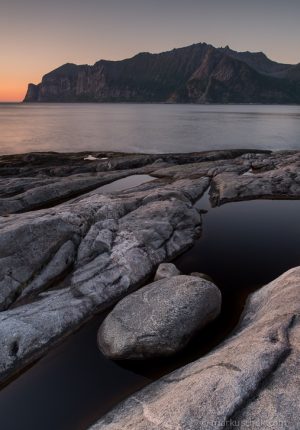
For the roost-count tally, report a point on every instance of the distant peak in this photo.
(170, 75)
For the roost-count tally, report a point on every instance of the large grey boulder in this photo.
(159, 319)
(250, 381)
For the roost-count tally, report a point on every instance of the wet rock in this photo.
(166, 270)
(253, 377)
(159, 319)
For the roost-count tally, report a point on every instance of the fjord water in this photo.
(148, 128)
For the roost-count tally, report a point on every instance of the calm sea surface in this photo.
(146, 128)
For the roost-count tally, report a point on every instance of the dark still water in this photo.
(243, 246)
(146, 128)
(246, 243)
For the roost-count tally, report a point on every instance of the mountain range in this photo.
(199, 73)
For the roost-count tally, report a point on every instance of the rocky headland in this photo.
(199, 73)
(69, 249)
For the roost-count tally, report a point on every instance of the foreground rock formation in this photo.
(69, 251)
(159, 319)
(199, 73)
(250, 381)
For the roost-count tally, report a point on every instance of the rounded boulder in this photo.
(159, 319)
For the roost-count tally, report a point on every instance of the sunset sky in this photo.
(36, 36)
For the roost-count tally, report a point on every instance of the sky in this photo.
(36, 36)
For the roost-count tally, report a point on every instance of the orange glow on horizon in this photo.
(13, 87)
(15, 76)
(12, 92)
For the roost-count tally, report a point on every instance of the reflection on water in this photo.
(243, 246)
(146, 128)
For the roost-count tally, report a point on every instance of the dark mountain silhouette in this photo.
(198, 73)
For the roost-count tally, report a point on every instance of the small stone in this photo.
(166, 270)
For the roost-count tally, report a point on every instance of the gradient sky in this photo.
(36, 36)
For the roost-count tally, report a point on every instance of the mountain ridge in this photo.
(199, 73)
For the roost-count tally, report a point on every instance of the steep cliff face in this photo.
(198, 73)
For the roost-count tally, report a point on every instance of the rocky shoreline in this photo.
(250, 381)
(69, 250)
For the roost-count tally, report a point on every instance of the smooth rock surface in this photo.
(159, 319)
(166, 270)
(250, 381)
